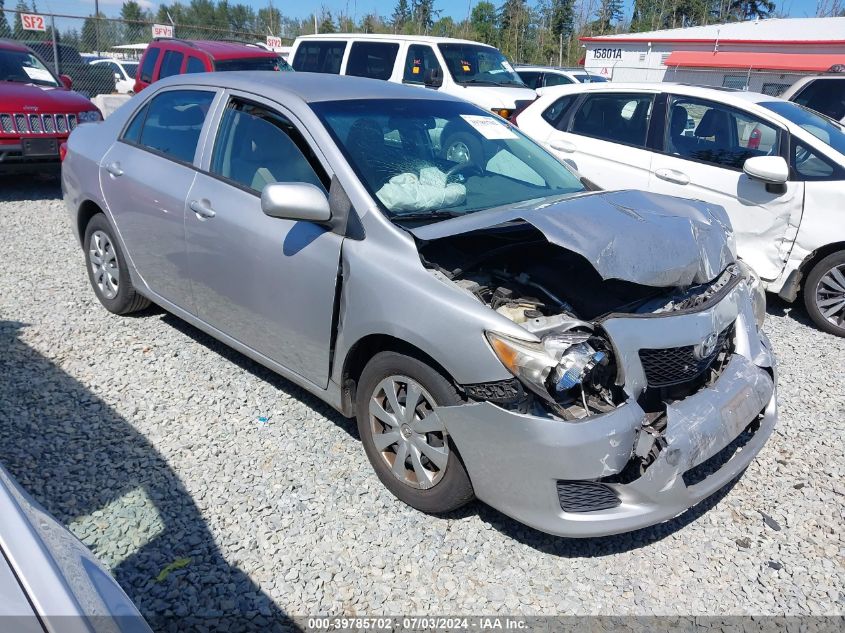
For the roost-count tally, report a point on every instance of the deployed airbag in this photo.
(410, 193)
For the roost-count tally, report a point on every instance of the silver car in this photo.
(586, 362)
(49, 581)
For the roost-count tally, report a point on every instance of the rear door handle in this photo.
(562, 146)
(672, 175)
(114, 169)
(202, 209)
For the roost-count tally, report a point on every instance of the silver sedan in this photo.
(587, 362)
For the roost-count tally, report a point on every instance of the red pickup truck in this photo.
(38, 110)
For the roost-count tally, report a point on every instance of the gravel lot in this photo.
(143, 436)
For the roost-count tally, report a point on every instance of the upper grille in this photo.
(36, 123)
(677, 365)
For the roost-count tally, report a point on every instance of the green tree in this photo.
(424, 14)
(370, 23)
(134, 29)
(401, 16)
(326, 23)
(270, 20)
(5, 31)
(484, 24)
(609, 13)
(751, 9)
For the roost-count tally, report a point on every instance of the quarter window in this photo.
(714, 133)
(171, 64)
(173, 123)
(420, 61)
(810, 165)
(149, 65)
(824, 95)
(617, 117)
(319, 57)
(194, 65)
(372, 59)
(256, 147)
(556, 112)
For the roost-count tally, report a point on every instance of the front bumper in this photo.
(515, 461)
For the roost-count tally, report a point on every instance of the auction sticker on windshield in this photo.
(489, 127)
(38, 74)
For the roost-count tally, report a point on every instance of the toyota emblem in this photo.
(706, 348)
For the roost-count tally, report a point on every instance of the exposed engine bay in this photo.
(559, 297)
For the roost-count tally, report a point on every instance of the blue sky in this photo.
(455, 8)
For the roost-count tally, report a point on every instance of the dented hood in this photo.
(636, 236)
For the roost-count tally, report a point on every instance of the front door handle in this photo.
(114, 169)
(202, 208)
(672, 175)
(562, 146)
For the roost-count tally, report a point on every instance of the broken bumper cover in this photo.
(525, 465)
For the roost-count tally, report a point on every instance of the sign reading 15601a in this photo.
(607, 53)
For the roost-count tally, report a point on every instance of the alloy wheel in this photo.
(830, 295)
(104, 265)
(409, 437)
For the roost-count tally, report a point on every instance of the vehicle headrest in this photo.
(713, 123)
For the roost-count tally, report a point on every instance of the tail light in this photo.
(521, 105)
(754, 139)
(62, 151)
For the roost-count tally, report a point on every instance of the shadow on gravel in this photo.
(795, 311)
(30, 187)
(92, 470)
(260, 371)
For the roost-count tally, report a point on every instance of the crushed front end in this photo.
(630, 402)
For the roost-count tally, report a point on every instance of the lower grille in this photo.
(677, 365)
(585, 496)
(697, 474)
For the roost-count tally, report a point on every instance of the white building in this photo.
(762, 55)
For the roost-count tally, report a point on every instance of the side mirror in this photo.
(67, 82)
(434, 78)
(768, 169)
(295, 201)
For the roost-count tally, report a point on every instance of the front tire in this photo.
(407, 445)
(824, 294)
(107, 270)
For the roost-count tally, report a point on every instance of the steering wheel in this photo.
(466, 166)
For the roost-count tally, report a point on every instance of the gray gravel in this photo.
(143, 435)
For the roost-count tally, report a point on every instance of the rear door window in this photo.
(172, 122)
(171, 64)
(372, 59)
(616, 117)
(149, 65)
(530, 78)
(319, 57)
(553, 79)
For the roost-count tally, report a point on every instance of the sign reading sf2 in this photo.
(607, 53)
(33, 22)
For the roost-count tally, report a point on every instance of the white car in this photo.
(476, 72)
(124, 73)
(776, 167)
(824, 93)
(546, 76)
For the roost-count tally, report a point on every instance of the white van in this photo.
(476, 72)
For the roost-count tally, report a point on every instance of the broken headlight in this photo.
(758, 293)
(562, 368)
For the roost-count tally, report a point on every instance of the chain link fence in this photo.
(72, 45)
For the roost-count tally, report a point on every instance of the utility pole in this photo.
(97, 26)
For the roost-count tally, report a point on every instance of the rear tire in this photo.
(430, 476)
(824, 294)
(107, 270)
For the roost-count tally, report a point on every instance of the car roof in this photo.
(309, 87)
(566, 69)
(725, 95)
(9, 45)
(221, 49)
(430, 39)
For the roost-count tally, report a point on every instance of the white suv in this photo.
(546, 76)
(476, 72)
(776, 167)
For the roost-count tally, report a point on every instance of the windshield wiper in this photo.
(485, 82)
(429, 215)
